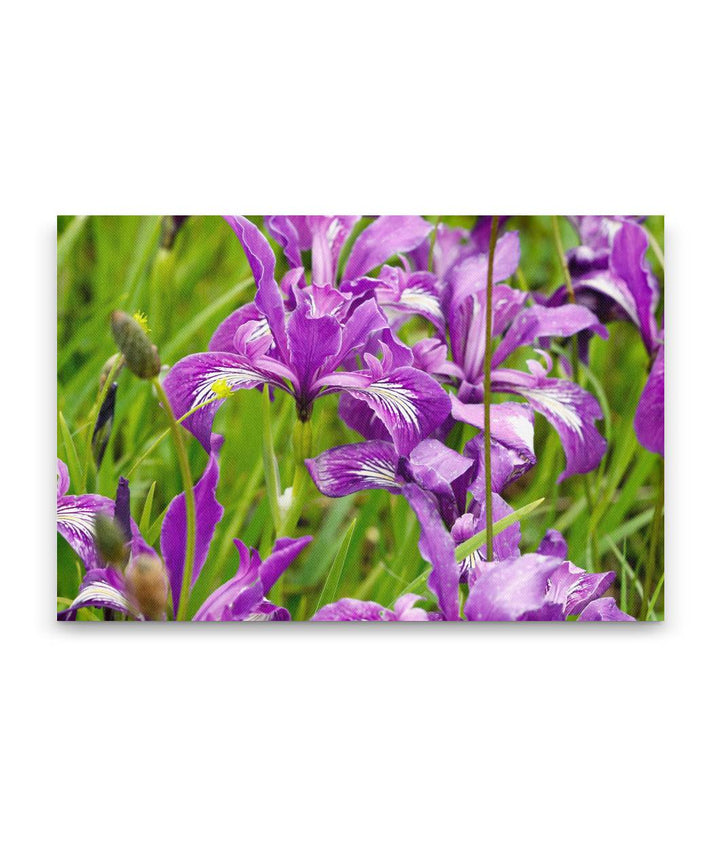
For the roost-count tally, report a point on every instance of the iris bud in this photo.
(107, 368)
(141, 356)
(147, 584)
(110, 541)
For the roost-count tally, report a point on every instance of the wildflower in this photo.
(139, 591)
(300, 349)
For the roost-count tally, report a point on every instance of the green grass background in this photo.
(611, 518)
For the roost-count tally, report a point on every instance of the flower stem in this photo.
(302, 447)
(486, 390)
(272, 479)
(189, 500)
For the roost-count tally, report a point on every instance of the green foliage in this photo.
(365, 545)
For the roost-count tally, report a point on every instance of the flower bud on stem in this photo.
(141, 356)
(110, 541)
(147, 584)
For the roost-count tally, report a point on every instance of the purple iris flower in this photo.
(540, 586)
(436, 482)
(243, 598)
(305, 339)
(453, 299)
(76, 517)
(611, 276)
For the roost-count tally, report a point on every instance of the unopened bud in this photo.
(110, 540)
(141, 356)
(108, 367)
(147, 585)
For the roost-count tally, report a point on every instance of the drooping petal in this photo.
(262, 264)
(385, 237)
(63, 478)
(514, 590)
(553, 544)
(570, 409)
(627, 261)
(410, 404)
(355, 467)
(192, 381)
(358, 415)
(76, 523)
(208, 513)
(292, 235)
(444, 472)
(223, 338)
(650, 413)
(604, 609)
(541, 321)
(436, 547)
(574, 588)
(103, 588)
(511, 441)
(350, 609)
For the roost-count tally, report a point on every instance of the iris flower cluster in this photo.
(331, 329)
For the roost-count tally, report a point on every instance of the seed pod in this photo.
(110, 541)
(141, 356)
(147, 584)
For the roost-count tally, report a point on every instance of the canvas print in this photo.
(360, 418)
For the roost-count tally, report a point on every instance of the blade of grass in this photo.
(73, 461)
(462, 551)
(333, 578)
(147, 511)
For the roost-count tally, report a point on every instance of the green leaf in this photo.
(462, 551)
(73, 461)
(147, 511)
(333, 578)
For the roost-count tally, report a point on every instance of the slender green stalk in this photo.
(272, 478)
(302, 446)
(164, 434)
(189, 500)
(486, 388)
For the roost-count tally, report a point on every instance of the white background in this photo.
(499, 740)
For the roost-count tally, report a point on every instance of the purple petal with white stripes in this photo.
(355, 467)
(571, 410)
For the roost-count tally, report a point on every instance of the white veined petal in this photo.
(399, 400)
